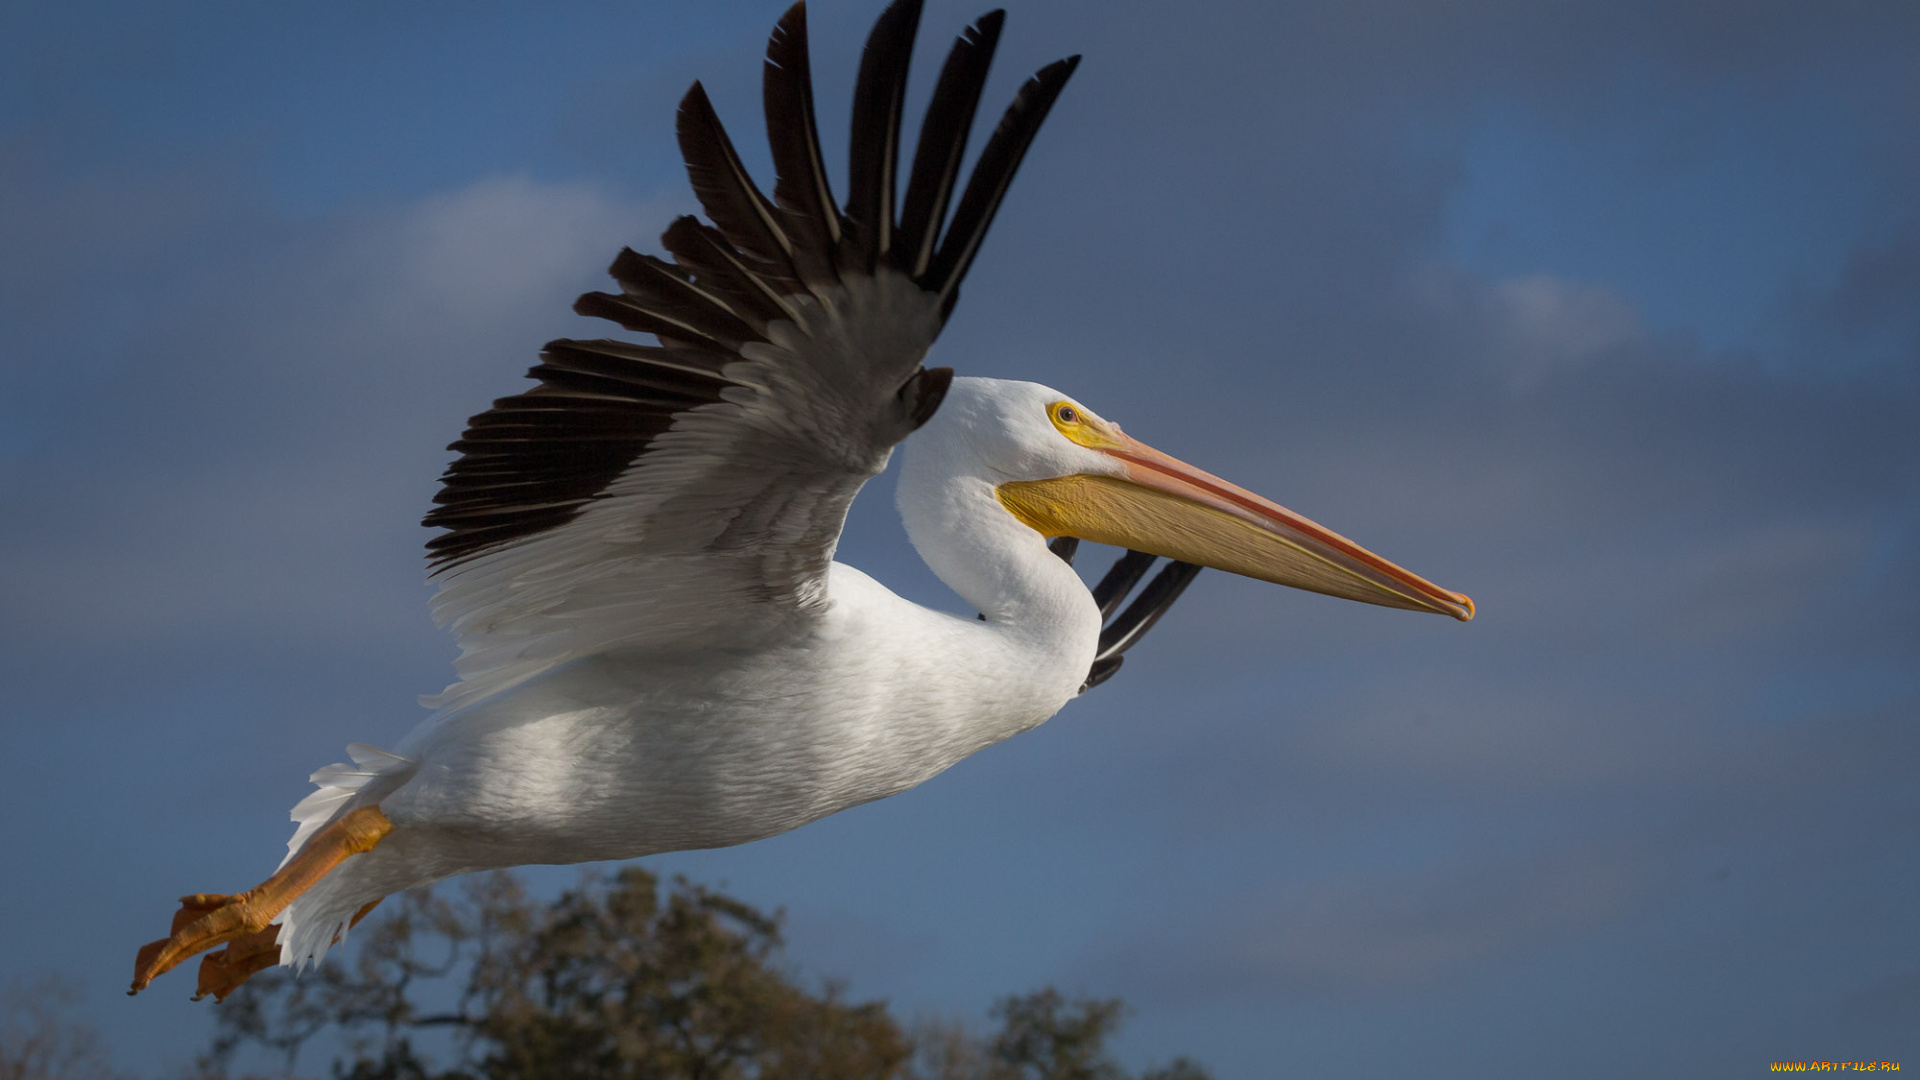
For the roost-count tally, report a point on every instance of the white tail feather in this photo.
(311, 924)
(315, 922)
(337, 784)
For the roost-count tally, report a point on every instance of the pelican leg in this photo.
(243, 922)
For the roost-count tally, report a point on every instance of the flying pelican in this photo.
(658, 651)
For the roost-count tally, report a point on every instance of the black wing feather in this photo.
(723, 270)
(1120, 580)
(727, 193)
(1125, 632)
(666, 291)
(533, 461)
(943, 143)
(873, 156)
(800, 187)
(616, 361)
(1066, 547)
(992, 174)
(1153, 602)
(635, 315)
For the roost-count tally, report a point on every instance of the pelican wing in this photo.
(693, 490)
(1120, 632)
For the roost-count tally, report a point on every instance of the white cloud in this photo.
(490, 248)
(273, 473)
(1548, 321)
(1532, 326)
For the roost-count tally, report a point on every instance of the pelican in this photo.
(658, 650)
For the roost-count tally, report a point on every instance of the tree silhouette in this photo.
(621, 980)
(41, 1039)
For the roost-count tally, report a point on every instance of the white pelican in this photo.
(658, 651)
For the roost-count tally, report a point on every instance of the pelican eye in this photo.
(1080, 427)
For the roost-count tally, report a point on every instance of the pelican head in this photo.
(1061, 469)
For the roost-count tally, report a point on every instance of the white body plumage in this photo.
(630, 752)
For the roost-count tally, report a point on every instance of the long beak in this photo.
(1162, 505)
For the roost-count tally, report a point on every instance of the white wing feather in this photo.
(725, 527)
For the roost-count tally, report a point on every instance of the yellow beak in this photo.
(1164, 506)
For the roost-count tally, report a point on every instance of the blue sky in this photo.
(1606, 314)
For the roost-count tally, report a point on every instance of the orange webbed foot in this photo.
(221, 973)
(243, 922)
